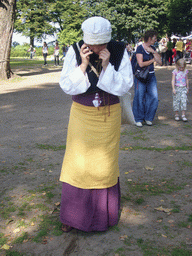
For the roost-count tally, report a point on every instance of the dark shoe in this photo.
(66, 228)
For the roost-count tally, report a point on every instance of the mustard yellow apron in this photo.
(92, 150)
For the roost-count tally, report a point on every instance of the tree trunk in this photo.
(7, 16)
(32, 41)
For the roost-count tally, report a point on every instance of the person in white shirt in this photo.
(56, 54)
(45, 53)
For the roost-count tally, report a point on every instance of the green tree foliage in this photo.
(20, 50)
(69, 37)
(179, 17)
(130, 18)
(33, 19)
(68, 15)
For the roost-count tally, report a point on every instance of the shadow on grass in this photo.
(40, 71)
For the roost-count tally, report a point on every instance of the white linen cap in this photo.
(96, 30)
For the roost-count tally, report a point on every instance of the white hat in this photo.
(96, 30)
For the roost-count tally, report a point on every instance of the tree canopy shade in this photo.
(179, 17)
(33, 19)
(7, 15)
(130, 18)
(69, 15)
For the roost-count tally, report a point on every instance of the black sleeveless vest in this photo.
(116, 50)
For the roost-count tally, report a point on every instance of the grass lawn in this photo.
(26, 62)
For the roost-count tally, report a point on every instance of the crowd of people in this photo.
(56, 53)
(174, 49)
(96, 71)
(169, 49)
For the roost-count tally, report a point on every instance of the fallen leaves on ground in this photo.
(161, 209)
(122, 238)
(148, 168)
(17, 230)
(5, 247)
(170, 221)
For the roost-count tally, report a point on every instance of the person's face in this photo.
(181, 68)
(153, 40)
(97, 48)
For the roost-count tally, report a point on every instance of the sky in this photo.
(22, 39)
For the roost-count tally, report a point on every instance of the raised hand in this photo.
(104, 55)
(85, 52)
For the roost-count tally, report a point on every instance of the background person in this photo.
(139, 43)
(174, 42)
(174, 55)
(180, 87)
(34, 52)
(31, 50)
(188, 52)
(179, 48)
(145, 101)
(56, 54)
(45, 53)
(63, 51)
(129, 49)
(163, 51)
(188, 46)
(169, 52)
(96, 71)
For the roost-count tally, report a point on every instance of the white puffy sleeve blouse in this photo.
(73, 81)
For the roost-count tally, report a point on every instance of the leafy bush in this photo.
(38, 51)
(19, 50)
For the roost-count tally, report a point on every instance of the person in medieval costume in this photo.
(96, 71)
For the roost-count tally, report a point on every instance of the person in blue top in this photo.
(145, 101)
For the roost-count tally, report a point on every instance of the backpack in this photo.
(134, 62)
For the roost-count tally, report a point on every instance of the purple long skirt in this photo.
(90, 209)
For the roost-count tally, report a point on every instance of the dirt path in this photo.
(155, 165)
